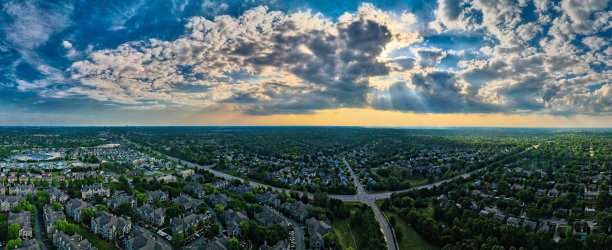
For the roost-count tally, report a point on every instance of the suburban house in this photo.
(212, 244)
(268, 199)
(280, 245)
(142, 239)
(57, 195)
(113, 202)
(24, 221)
(29, 244)
(8, 202)
(196, 190)
(110, 226)
(241, 189)
(298, 210)
(232, 220)
(74, 207)
(269, 217)
(219, 185)
(88, 192)
(65, 242)
(22, 190)
(181, 225)
(157, 195)
(50, 216)
(316, 230)
(186, 203)
(151, 215)
(218, 199)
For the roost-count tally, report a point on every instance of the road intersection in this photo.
(362, 196)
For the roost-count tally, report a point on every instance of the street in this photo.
(361, 196)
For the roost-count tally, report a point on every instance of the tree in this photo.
(102, 207)
(13, 231)
(178, 239)
(87, 215)
(57, 206)
(219, 209)
(14, 243)
(212, 231)
(598, 241)
(191, 230)
(4, 230)
(175, 210)
(141, 198)
(234, 244)
(603, 200)
(66, 227)
(124, 208)
(43, 197)
(329, 239)
(318, 212)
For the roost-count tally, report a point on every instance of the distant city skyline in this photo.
(342, 63)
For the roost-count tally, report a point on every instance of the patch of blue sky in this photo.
(451, 61)
(595, 87)
(455, 40)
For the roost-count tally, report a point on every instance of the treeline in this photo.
(458, 228)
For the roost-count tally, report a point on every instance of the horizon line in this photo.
(290, 126)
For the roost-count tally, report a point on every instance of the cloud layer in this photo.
(471, 56)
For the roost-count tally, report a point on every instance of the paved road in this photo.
(364, 197)
(39, 229)
(300, 243)
(361, 196)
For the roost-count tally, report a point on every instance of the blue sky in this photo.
(159, 62)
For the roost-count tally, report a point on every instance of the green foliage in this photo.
(13, 231)
(603, 200)
(234, 244)
(258, 234)
(175, 210)
(57, 206)
(125, 209)
(219, 209)
(212, 231)
(24, 206)
(67, 227)
(178, 239)
(364, 218)
(88, 214)
(330, 239)
(14, 243)
(318, 212)
(141, 198)
(102, 208)
(43, 197)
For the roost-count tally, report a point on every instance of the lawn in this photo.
(95, 239)
(410, 239)
(417, 181)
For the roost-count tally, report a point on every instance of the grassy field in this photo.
(429, 210)
(348, 236)
(342, 230)
(409, 239)
(417, 181)
(95, 239)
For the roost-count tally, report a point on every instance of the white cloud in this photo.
(239, 60)
(594, 43)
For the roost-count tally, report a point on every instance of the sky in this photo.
(504, 63)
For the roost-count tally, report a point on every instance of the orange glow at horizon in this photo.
(371, 117)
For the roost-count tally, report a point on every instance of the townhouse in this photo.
(110, 227)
